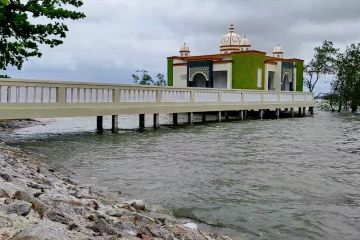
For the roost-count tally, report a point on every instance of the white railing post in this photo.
(116, 95)
(159, 96)
(60, 95)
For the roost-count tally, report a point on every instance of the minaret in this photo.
(184, 51)
(245, 44)
(278, 51)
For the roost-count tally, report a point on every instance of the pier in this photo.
(26, 99)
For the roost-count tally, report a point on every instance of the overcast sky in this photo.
(120, 36)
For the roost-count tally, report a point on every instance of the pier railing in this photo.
(22, 95)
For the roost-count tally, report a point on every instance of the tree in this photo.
(347, 83)
(143, 78)
(160, 80)
(321, 64)
(21, 33)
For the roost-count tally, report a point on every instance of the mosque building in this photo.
(236, 66)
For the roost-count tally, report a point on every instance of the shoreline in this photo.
(38, 202)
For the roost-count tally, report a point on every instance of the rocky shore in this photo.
(38, 203)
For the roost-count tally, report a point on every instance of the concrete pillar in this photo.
(245, 114)
(175, 118)
(156, 120)
(311, 110)
(304, 111)
(99, 124)
(218, 116)
(241, 114)
(114, 123)
(277, 113)
(261, 113)
(292, 112)
(299, 111)
(203, 117)
(226, 115)
(190, 118)
(141, 121)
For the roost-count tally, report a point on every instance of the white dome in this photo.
(244, 42)
(278, 50)
(230, 42)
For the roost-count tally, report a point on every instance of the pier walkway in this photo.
(24, 99)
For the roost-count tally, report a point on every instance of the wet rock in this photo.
(19, 207)
(45, 230)
(138, 204)
(3, 194)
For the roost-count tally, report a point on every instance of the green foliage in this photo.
(21, 34)
(244, 73)
(170, 72)
(299, 75)
(143, 78)
(346, 86)
(321, 64)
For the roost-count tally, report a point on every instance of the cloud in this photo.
(120, 36)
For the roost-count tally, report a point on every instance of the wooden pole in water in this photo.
(114, 123)
(226, 115)
(190, 118)
(218, 116)
(141, 121)
(311, 109)
(292, 112)
(261, 113)
(99, 124)
(203, 117)
(175, 118)
(241, 115)
(156, 120)
(277, 113)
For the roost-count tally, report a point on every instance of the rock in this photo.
(19, 207)
(138, 204)
(37, 194)
(36, 204)
(56, 216)
(3, 194)
(6, 177)
(191, 226)
(35, 185)
(115, 213)
(44, 230)
(102, 226)
(94, 205)
(5, 222)
(21, 195)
